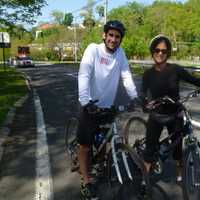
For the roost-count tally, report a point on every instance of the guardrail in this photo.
(148, 63)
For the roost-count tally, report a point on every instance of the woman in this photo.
(163, 80)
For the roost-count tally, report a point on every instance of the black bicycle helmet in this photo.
(157, 39)
(115, 24)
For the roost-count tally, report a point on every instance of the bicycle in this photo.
(117, 163)
(191, 149)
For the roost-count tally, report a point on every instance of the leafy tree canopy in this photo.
(58, 16)
(19, 11)
(68, 19)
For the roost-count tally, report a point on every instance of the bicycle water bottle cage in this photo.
(98, 138)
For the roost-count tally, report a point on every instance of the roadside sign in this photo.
(4, 37)
(4, 40)
(4, 43)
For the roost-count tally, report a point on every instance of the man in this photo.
(99, 74)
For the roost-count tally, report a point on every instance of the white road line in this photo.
(44, 183)
(75, 75)
(196, 124)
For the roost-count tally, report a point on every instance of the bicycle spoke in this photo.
(134, 130)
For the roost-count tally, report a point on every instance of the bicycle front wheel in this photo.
(114, 168)
(131, 173)
(130, 185)
(191, 174)
(135, 130)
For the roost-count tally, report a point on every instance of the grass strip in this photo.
(12, 88)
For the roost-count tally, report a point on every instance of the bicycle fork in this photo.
(194, 163)
(195, 169)
(116, 139)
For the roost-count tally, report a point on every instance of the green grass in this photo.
(12, 87)
(137, 69)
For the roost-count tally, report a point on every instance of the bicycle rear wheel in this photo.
(71, 143)
(191, 174)
(134, 130)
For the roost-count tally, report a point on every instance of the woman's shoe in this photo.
(179, 166)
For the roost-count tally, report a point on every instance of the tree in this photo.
(88, 14)
(100, 11)
(89, 22)
(19, 11)
(68, 19)
(58, 16)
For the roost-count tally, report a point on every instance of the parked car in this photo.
(24, 62)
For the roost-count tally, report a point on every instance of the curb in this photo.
(5, 129)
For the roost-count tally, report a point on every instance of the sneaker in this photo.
(98, 171)
(88, 192)
(75, 166)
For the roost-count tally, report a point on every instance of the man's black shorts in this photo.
(88, 125)
(86, 129)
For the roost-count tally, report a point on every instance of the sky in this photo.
(70, 6)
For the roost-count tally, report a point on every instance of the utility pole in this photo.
(105, 10)
(75, 41)
(4, 59)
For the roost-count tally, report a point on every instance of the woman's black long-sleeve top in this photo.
(166, 82)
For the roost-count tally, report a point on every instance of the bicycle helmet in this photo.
(115, 24)
(157, 39)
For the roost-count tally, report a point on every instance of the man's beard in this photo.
(112, 50)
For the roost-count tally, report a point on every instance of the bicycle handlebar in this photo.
(194, 93)
(98, 110)
(167, 100)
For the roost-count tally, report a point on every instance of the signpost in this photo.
(4, 43)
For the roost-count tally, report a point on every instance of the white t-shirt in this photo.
(99, 75)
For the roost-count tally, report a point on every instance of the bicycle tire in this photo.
(137, 172)
(71, 143)
(134, 129)
(127, 191)
(191, 174)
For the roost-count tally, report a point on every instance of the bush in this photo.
(43, 55)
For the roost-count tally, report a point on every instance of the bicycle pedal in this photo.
(157, 168)
(74, 168)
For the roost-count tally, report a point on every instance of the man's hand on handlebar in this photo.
(90, 107)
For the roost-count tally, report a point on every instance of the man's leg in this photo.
(85, 139)
(83, 157)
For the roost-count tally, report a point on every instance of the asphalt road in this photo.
(57, 88)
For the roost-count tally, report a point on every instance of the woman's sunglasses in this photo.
(163, 51)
